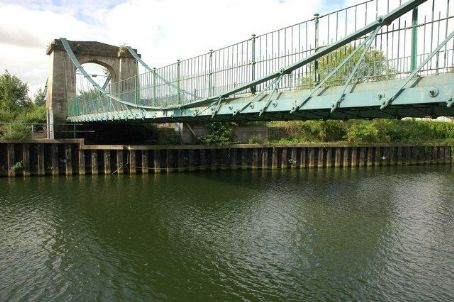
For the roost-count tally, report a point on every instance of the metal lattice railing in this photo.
(395, 52)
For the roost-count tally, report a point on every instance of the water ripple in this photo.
(363, 234)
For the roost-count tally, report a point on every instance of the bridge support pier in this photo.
(61, 83)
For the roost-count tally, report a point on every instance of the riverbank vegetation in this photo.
(361, 131)
(17, 110)
(353, 132)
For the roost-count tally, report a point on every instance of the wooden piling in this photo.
(354, 158)
(55, 161)
(41, 160)
(11, 160)
(370, 156)
(132, 162)
(21, 159)
(338, 157)
(362, 156)
(274, 159)
(68, 159)
(244, 163)
(107, 164)
(26, 159)
(94, 162)
(346, 159)
(145, 162)
(81, 161)
(284, 158)
(311, 157)
(448, 155)
(321, 161)
(255, 158)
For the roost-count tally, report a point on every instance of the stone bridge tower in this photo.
(61, 84)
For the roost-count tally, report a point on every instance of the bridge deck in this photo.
(431, 96)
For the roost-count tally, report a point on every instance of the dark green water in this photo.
(377, 234)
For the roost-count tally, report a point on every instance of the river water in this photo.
(381, 234)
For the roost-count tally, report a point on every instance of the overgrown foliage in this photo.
(17, 110)
(218, 134)
(361, 131)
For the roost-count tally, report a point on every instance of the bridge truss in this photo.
(377, 59)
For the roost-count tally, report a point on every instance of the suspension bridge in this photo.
(376, 59)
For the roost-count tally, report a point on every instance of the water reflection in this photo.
(362, 234)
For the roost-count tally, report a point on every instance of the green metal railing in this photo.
(399, 48)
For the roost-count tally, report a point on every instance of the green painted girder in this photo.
(430, 96)
(395, 113)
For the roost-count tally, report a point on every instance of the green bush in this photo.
(17, 126)
(6, 116)
(35, 114)
(15, 131)
(309, 131)
(363, 132)
(218, 134)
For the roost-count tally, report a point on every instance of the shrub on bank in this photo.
(17, 125)
(364, 133)
(218, 134)
(308, 131)
(15, 131)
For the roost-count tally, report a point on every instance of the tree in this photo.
(17, 111)
(39, 98)
(13, 93)
(373, 68)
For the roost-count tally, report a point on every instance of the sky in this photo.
(162, 30)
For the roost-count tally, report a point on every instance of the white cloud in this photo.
(24, 36)
(167, 30)
(162, 30)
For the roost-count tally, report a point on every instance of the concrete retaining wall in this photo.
(72, 157)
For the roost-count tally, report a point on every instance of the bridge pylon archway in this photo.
(62, 74)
